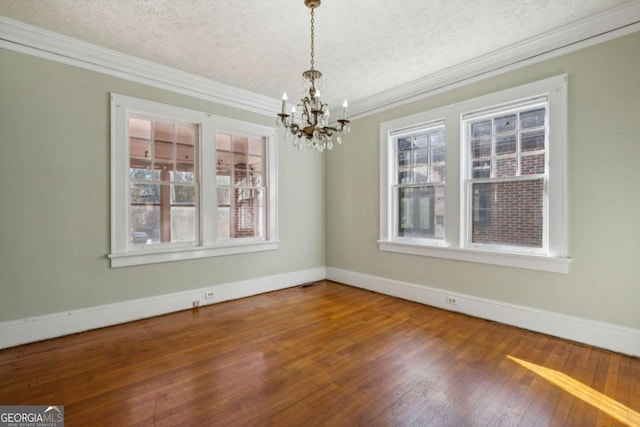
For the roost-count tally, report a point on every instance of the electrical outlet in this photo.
(452, 300)
(196, 303)
(209, 294)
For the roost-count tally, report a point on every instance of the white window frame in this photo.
(468, 181)
(394, 219)
(123, 252)
(555, 256)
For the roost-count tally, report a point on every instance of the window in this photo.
(505, 175)
(186, 184)
(163, 181)
(240, 178)
(418, 191)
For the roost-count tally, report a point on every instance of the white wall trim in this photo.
(15, 35)
(23, 331)
(614, 23)
(604, 335)
(35, 41)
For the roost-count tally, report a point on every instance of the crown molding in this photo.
(614, 23)
(609, 25)
(20, 37)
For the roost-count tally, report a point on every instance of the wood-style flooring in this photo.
(324, 355)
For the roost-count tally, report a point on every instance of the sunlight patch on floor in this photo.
(606, 404)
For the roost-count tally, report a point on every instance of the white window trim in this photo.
(454, 248)
(394, 220)
(124, 253)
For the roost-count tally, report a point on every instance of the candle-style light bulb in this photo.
(284, 101)
(345, 104)
(293, 114)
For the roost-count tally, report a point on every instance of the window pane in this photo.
(404, 176)
(139, 128)
(144, 174)
(481, 148)
(183, 195)
(183, 223)
(508, 213)
(437, 153)
(255, 179)
(437, 173)
(404, 158)
(532, 118)
(420, 156)
(505, 123)
(534, 140)
(255, 163)
(186, 135)
(140, 150)
(145, 193)
(223, 177)
(256, 146)
(223, 159)
(240, 148)
(246, 212)
(241, 178)
(421, 174)
(530, 165)
(481, 129)
(506, 167)
(185, 158)
(224, 196)
(180, 176)
(223, 142)
(421, 212)
(144, 221)
(404, 144)
(481, 169)
(163, 131)
(506, 144)
(420, 141)
(437, 137)
(239, 160)
(224, 223)
(163, 154)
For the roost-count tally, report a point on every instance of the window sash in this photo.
(418, 162)
(509, 234)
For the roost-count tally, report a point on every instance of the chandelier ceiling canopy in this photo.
(308, 123)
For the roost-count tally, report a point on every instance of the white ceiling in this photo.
(362, 47)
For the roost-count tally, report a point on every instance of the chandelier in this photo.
(308, 124)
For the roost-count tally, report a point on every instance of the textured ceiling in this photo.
(362, 47)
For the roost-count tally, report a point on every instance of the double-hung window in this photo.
(419, 175)
(505, 175)
(186, 184)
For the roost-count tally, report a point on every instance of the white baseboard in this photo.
(23, 331)
(604, 335)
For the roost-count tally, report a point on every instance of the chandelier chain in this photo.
(312, 33)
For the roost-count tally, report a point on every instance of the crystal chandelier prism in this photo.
(308, 123)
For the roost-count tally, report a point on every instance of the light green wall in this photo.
(54, 197)
(604, 195)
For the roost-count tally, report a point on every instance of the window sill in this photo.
(141, 257)
(531, 262)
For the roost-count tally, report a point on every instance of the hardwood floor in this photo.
(329, 355)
